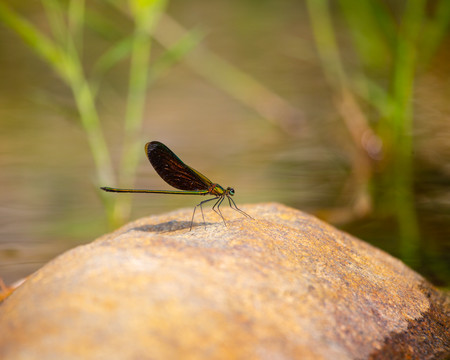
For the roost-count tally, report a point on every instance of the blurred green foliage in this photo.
(370, 52)
(62, 49)
(391, 47)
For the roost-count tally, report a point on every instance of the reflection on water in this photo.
(49, 201)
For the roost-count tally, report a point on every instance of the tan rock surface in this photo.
(283, 286)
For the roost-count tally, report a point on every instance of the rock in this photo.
(283, 286)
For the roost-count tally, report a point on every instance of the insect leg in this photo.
(234, 207)
(201, 209)
(216, 208)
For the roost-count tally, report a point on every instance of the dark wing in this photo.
(172, 170)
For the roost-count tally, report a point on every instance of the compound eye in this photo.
(231, 191)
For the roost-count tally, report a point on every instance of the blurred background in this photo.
(337, 108)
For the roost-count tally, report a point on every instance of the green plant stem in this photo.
(140, 55)
(402, 128)
(319, 14)
(69, 68)
(145, 16)
(351, 114)
(238, 84)
(66, 63)
(90, 122)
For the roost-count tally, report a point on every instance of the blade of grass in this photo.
(370, 40)
(37, 41)
(76, 16)
(402, 126)
(106, 27)
(55, 15)
(70, 70)
(227, 77)
(351, 113)
(327, 47)
(435, 31)
(145, 15)
(238, 84)
(175, 53)
(118, 52)
(384, 19)
(110, 58)
(394, 105)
